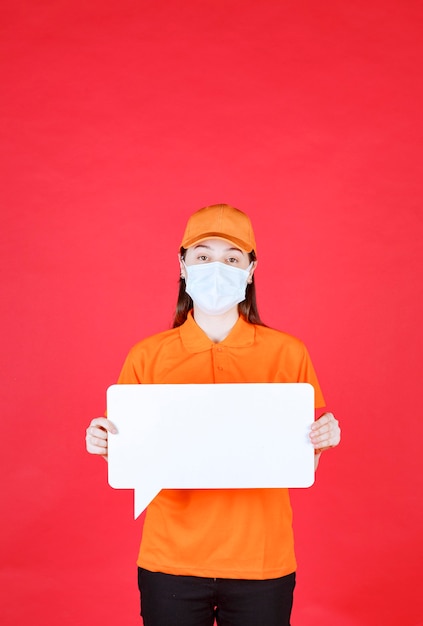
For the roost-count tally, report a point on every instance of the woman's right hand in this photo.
(97, 436)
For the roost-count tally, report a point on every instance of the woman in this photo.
(224, 554)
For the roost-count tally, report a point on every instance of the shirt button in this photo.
(219, 349)
(220, 368)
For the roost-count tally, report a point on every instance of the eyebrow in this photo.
(202, 245)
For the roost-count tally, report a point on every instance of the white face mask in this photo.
(216, 287)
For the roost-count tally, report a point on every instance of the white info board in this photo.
(209, 436)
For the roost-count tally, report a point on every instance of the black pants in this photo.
(168, 600)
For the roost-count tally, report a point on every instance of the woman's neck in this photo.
(216, 327)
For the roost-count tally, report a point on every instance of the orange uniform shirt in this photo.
(219, 533)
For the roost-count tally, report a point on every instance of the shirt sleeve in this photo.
(307, 374)
(131, 370)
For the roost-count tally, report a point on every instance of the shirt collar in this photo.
(195, 339)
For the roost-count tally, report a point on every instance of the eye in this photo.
(232, 260)
(202, 257)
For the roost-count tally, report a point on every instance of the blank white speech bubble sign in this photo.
(218, 436)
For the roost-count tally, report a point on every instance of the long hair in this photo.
(247, 308)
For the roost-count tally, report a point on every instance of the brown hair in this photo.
(247, 308)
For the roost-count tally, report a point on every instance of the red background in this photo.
(118, 120)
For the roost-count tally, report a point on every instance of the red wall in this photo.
(118, 120)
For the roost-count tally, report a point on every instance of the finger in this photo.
(325, 432)
(326, 442)
(325, 419)
(96, 440)
(97, 432)
(103, 422)
(321, 440)
(327, 424)
(97, 451)
(322, 429)
(99, 442)
(94, 448)
(95, 445)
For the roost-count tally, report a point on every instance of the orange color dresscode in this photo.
(219, 533)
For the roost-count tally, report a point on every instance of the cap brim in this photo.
(239, 243)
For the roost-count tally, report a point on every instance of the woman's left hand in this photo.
(325, 433)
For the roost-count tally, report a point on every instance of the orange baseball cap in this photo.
(220, 221)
